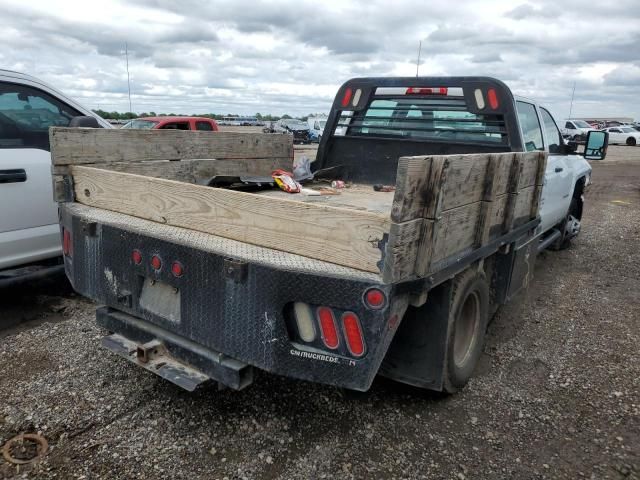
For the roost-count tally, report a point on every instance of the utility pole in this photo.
(418, 62)
(572, 94)
(126, 54)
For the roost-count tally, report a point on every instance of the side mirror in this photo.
(596, 145)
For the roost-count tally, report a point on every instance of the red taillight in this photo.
(353, 333)
(374, 298)
(156, 263)
(67, 243)
(492, 96)
(177, 269)
(426, 91)
(328, 327)
(346, 97)
(136, 257)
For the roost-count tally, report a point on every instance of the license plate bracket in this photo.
(161, 299)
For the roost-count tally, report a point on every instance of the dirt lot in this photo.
(556, 395)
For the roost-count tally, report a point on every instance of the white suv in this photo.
(29, 233)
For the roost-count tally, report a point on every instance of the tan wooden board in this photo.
(429, 185)
(412, 177)
(405, 248)
(443, 206)
(356, 197)
(343, 236)
(456, 230)
(194, 171)
(76, 146)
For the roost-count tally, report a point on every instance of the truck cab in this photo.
(29, 231)
(567, 173)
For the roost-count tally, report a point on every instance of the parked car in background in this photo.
(576, 130)
(316, 127)
(295, 127)
(30, 244)
(174, 123)
(623, 135)
(241, 121)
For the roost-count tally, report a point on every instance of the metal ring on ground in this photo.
(41, 447)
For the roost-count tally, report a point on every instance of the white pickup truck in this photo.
(29, 233)
(576, 130)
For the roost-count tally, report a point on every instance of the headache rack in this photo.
(427, 115)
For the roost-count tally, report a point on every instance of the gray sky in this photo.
(291, 56)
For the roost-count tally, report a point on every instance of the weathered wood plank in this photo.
(404, 249)
(434, 195)
(411, 183)
(346, 237)
(465, 181)
(489, 196)
(523, 205)
(76, 146)
(496, 218)
(456, 230)
(530, 169)
(425, 247)
(193, 171)
(432, 183)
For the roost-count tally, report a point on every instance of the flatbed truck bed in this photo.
(207, 283)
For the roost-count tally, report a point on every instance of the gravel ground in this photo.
(556, 394)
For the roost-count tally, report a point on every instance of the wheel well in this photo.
(578, 190)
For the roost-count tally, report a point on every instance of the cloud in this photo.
(290, 56)
(526, 11)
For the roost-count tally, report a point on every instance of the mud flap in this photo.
(417, 353)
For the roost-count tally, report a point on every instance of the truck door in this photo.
(28, 214)
(556, 194)
(560, 168)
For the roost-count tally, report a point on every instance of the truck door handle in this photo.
(559, 169)
(13, 176)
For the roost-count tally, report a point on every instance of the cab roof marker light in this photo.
(304, 321)
(492, 96)
(427, 91)
(356, 98)
(479, 98)
(346, 98)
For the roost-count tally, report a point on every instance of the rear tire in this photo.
(631, 142)
(468, 319)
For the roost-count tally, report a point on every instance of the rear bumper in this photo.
(174, 358)
(238, 315)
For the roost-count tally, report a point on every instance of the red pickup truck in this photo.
(174, 123)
